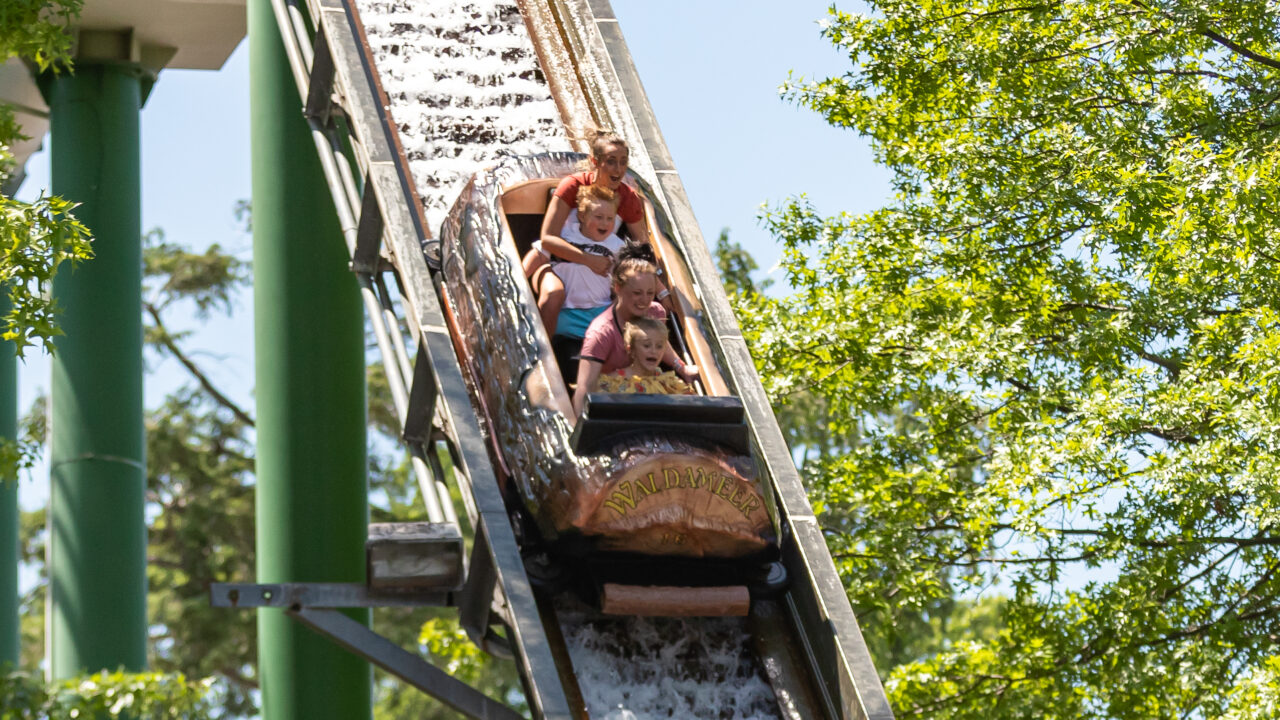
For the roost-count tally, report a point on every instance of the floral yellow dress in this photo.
(668, 383)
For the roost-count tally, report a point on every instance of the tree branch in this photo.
(238, 678)
(167, 341)
(1174, 368)
(1240, 49)
(1218, 38)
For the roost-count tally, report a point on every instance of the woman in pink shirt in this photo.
(635, 283)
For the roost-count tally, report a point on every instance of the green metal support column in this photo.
(10, 621)
(97, 530)
(312, 504)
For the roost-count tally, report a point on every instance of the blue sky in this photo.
(711, 71)
(712, 77)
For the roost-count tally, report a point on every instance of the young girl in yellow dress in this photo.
(646, 340)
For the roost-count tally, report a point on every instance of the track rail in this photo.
(826, 668)
(593, 78)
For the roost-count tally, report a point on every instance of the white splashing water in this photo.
(633, 668)
(464, 86)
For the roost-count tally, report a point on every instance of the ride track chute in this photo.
(406, 102)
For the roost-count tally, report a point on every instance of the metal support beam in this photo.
(97, 527)
(422, 399)
(312, 497)
(315, 605)
(320, 87)
(368, 232)
(477, 595)
(320, 595)
(405, 665)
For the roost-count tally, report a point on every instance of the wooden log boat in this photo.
(637, 477)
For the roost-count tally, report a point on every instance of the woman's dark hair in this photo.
(602, 140)
(639, 251)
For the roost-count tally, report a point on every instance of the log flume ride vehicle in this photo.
(646, 504)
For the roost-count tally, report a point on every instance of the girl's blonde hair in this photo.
(628, 268)
(636, 327)
(592, 195)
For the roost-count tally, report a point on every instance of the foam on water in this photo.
(633, 668)
(464, 87)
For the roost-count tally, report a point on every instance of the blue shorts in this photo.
(575, 321)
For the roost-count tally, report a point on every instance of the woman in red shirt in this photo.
(608, 160)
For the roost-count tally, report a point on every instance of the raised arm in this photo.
(638, 231)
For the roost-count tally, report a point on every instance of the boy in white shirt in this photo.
(575, 287)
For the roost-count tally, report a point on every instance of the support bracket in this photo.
(315, 605)
(321, 595)
(403, 664)
(319, 102)
(422, 399)
(368, 231)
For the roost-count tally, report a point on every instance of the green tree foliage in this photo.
(34, 237)
(36, 31)
(140, 696)
(817, 436)
(199, 485)
(199, 496)
(736, 266)
(1056, 349)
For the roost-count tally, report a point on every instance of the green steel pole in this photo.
(97, 528)
(312, 504)
(10, 621)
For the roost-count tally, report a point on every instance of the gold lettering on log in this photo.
(618, 500)
(628, 493)
(720, 487)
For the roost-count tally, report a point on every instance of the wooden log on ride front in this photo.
(668, 601)
(664, 497)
